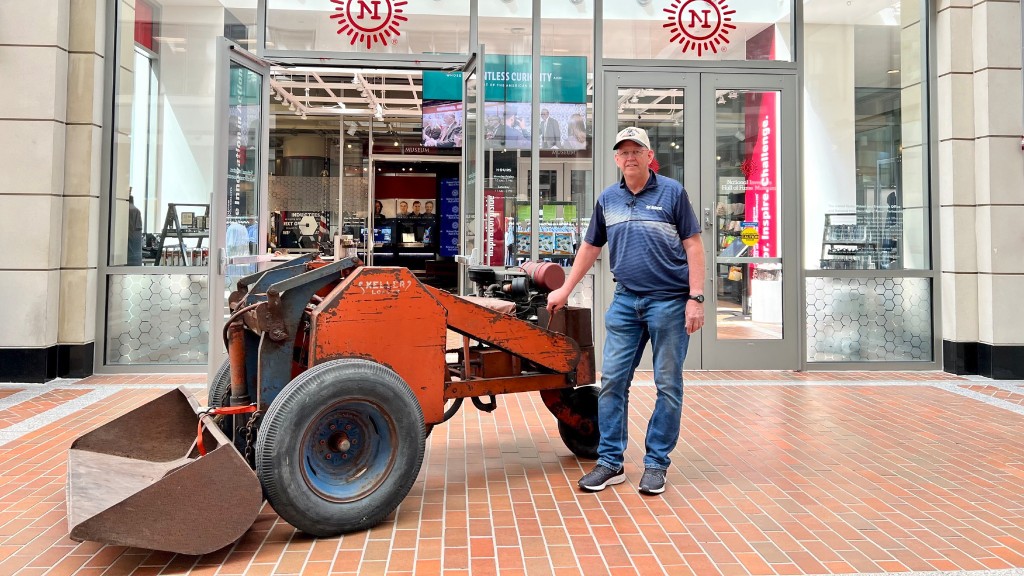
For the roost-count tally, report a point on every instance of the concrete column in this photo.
(981, 175)
(34, 63)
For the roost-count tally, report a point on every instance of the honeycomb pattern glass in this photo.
(869, 319)
(158, 319)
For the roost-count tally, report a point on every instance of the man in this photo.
(657, 259)
(416, 209)
(428, 208)
(403, 209)
(134, 232)
(550, 132)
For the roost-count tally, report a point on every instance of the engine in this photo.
(527, 286)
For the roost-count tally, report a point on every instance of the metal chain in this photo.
(250, 440)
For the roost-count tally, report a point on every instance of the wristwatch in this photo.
(698, 298)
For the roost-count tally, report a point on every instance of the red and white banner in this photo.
(494, 227)
(761, 167)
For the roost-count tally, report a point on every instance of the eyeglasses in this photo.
(632, 153)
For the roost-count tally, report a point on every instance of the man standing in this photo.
(657, 259)
(550, 132)
(134, 232)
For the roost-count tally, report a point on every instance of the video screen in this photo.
(562, 126)
(442, 124)
(382, 236)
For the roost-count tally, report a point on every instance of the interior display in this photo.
(562, 126)
(867, 239)
(442, 124)
(179, 251)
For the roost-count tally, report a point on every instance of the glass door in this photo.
(666, 106)
(471, 226)
(730, 139)
(748, 152)
(239, 222)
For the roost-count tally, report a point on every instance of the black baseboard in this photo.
(996, 362)
(38, 365)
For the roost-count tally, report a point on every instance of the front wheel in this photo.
(340, 447)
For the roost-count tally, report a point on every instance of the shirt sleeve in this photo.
(687, 223)
(597, 232)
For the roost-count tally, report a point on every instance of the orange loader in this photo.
(336, 375)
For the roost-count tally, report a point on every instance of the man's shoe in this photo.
(601, 477)
(653, 481)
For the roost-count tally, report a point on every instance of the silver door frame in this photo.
(229, 53)
(706, 351)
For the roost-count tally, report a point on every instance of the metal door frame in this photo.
(229, 53)
(706, 351)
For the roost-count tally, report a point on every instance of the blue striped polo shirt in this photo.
(644, 235)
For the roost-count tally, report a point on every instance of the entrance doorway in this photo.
(731, 140)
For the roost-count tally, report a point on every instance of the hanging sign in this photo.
(701, 25)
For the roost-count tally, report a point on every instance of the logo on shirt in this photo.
(700, 25)
(658, 208)
(369, 21)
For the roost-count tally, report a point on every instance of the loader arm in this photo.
(553, 351)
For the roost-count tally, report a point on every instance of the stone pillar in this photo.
(981, 176)
(51, 56)
(34, 58)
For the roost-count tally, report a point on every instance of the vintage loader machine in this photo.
(336, 375)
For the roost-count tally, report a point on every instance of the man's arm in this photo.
(585, 258)
(694, 248)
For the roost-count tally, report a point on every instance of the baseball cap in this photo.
(638, 135)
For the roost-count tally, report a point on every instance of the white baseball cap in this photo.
(638, 135)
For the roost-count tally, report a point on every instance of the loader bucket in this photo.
(139, 481)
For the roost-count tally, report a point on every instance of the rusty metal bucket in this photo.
(139, 481)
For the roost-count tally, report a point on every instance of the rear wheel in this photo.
(583, 441)
(340, 447)
(218, 394)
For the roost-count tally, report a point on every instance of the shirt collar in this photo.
(652, 181)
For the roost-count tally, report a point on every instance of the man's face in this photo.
(632, 158)
(429, 208)
(403, 207)
(415, 207)
(544, 114)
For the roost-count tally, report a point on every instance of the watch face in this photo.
(699, 298)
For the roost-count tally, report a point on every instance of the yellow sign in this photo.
(749, 236)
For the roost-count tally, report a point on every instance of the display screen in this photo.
(507, 126)
(442, 124)
(382, 236)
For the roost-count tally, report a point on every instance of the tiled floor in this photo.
(775, 473)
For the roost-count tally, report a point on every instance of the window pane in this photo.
(369, 26)
(158, 319)
(698, 30)
(864, 138)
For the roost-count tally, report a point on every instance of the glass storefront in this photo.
(368, 113)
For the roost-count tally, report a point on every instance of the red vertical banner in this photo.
(761, 166)
(494, 227)
(762, 172)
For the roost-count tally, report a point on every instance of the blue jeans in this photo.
(630, 322)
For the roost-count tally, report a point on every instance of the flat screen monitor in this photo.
(507, 125)
(442, 124)
(382, 236)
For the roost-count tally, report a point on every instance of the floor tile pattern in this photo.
(775, 473)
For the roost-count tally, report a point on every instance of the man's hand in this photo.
(557, 299)
(694, 315)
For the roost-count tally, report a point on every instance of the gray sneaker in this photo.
(653, 481)
(601, 477)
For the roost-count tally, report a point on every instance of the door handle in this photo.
(707, 219)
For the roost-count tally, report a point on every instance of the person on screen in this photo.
(403, 209)
(431, 132)
(428, 208)
(378, 210)
(416, 209)
(451, 132)
(550, 131)
(577, 133)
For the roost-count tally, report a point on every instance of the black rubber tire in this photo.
(218, 392)
(324, 496)
(583, 401)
